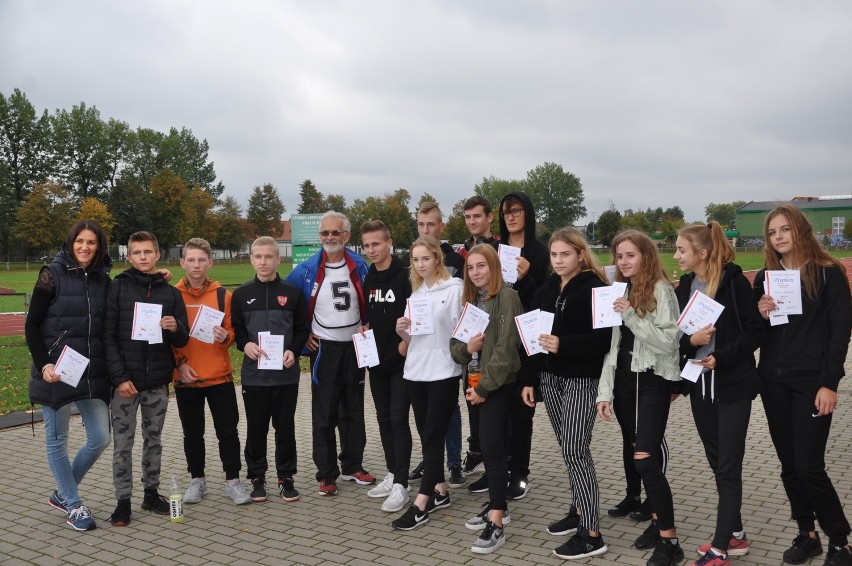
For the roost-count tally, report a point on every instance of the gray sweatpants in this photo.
(154, 403)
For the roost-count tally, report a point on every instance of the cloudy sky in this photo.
(649, 103)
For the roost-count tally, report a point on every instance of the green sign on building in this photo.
(305, 231)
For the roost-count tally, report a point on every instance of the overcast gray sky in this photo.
(649, 103)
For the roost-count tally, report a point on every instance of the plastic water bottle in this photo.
(175, 502)
(474, 371)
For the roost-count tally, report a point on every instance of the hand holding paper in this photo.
(366, 350)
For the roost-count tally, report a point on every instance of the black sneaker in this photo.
(581, 545)
(417, 473)
(567, 525)
(155, 503)
(643, 513)
(287, 490)
(472, 462)
(627, 505)
(649, 537)
(838, 556)
(438, 501)
(667, 552)
(518, 487)
(258, 490)
(121, 516)
(804, 548)
(411, 519)
(457, 478)
(479, 486)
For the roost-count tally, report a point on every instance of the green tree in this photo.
(199, 218)
(493, 190)
(669, 227)
(455, 230)
(636, 220)
(265, 210)
(723, 213)
(182, 153)
(674, 212)
(25, 145)
(168, 200)
(45, 216)
(118, 143)
(426, 197)
(392, 209)
(143, 159)
(231, 233)
(608, 225)
(557, 195)
(97, 210)
(336, 203)
(130, 206)
(79, 143)
(312, 201)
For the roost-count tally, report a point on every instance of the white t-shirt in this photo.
(336, 311)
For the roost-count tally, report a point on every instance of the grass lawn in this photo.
(15, 363)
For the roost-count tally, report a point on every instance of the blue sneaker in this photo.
(57, 502)
(80, 519)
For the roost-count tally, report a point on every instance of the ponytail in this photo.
(712, 238)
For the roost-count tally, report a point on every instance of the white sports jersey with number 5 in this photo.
(336, 314)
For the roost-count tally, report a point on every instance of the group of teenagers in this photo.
(631, 371)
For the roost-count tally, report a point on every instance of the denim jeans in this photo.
(68, 476)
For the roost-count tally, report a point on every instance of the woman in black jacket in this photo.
(67, 309)
(569, 374)
(801, 364)
(721, 397)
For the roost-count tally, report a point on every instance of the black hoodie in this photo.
(386, 292)
(533, 251)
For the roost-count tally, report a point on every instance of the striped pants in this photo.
(570, 405)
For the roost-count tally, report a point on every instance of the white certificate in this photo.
(273, 347)
(365, 349)
(603, 315)
(775, 319)
(509, 262)
(70, 366)
(609, 271)
(205, 320)
(692, 371)
(785, 287)
(531, 326)
(146, 323)
(473, 321)
(420, 315)
(700, 311)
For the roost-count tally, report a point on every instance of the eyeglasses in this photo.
(335, 233)
(514, 212)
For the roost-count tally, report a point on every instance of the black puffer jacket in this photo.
(533, 251)
(146, 365)
(74, 318)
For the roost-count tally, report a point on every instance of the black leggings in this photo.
(433, 403)
(494, 416)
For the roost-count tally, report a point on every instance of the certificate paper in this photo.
(366, 350)
(603, 315)
(509, 262)
(774, 318)
(205, 320)
(70, 366)
(473, 321)
(700, 311)
(420, 314)
(273, 346)
(146, 323)
(692, 371)
(785, 287)
(609, 271)
(531, 325)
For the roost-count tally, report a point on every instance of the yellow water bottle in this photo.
(175, 502)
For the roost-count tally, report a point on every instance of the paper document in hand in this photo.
(603, 315)
(273, 346)
(531, 326)
(700, 311)
(420, 315)
(205, 320)
(146, 323)
(775, 319)
(509, 262)
(473, 321)
(609, 271)
(785, 288)
(70, 366)
(692, 371)
(366, 350)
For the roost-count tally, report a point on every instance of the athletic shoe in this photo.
(472, 462)
(479, 486)
(258, 490)
(478, 521)
(383, 489)
(397, 499)
(710, 558)
(237, 492)
(80, 519)
(804, 547)
(624, 508)
(838, 556)
(667, 552)
(57, 502)
(411, 519)
(518, 488)
(567, 525)
(416, 474)
(360, 477)
(438, 501)
(328, 487)
(121, 516)
(155, 503)
(643, 513)
(491, 539)
(196, 490)
(581, 545)
(287, 490)
(457, 478)
(736, 547)
(649, 537)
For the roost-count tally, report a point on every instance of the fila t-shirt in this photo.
(336, 311)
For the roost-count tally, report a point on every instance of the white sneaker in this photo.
(397, 499)
(196, 490)
(383, 489)
(237, 492)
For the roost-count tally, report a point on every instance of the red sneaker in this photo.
(328, 487)
(736, 547)
(360, 477)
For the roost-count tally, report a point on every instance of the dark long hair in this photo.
(100, 253)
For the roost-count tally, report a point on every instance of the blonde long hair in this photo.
(434, 248)
(641, 295)
(574, 238)
(712, 238)
(470, 291)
